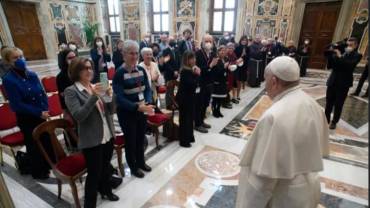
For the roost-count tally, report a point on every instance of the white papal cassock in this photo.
(281, 161)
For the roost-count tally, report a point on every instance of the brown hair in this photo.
(76, 66)
(185, 58)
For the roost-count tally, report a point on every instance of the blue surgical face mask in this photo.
(21, 64)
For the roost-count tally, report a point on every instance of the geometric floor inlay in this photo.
(218, 164)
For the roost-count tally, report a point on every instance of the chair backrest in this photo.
(49, 128)
(173, 84)
(111, 73)
(8, 119)
(55, 108)
(2, 89)
(50, 84)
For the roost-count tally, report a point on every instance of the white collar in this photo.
(285, 92)
(80, 87)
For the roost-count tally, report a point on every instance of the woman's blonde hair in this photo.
(7, 52)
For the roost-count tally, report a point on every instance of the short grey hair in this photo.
(128, 44)
(145, 50)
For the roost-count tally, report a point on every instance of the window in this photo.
(113, 15)
(160, 20)
(222, 16)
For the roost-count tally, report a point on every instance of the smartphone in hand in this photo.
(104, 80)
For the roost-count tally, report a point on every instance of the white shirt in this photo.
(106, 132)
(151, 71)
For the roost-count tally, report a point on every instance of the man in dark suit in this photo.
(186, 44)
(340, 79)
(145, 43)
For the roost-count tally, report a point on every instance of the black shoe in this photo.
(201, 129)
(355, 94)
(238, 98)
(185, 145)
(207, 126)
(365, 96)
(138, 173)
(235, 101)
(110, 197)
(228, 106)
(41, 176)
(215, 114)
(333, 125)
(146, 168)
(115, 182)
(220, 114)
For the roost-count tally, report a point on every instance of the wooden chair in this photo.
(66, 168)
(119, 144)
(154, 122)
(7, 122)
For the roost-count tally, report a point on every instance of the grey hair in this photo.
(145, 50)
(128, 44)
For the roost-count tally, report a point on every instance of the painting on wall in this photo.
(72, 13)
(185, 8)
(90, 13)
(76, 34)
(130, 12)
(265, 28)
(267, 7)
(181, 26)
(131, 30)
(60, 32)
(283, 32)
(248, 27)
(56, 10)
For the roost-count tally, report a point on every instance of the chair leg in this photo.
(1, 155)
(156, 134)
(119, 160)
(59, 188)
(75, 194)
(13, 154)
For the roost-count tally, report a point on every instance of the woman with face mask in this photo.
(117, 54)
(100, 57)
(73, 46)
(242, 53)
(29, 102)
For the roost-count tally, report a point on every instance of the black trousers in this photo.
(98, 172)
(216, 104)
(203, 100)
(27, 123)
(362, 80)
(133, 126)
(186, 123)
(335, 98)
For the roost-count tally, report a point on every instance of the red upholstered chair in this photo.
(55, 108)
(119, 144)
(154, 122)
(50, 84)
(7, 122)
(66, 168)
(162, 89)
(2, 89)
(111, 73)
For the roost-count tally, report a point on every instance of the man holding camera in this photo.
(340, 79)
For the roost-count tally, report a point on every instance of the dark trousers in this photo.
(361, 82)
(335, 98)
(186, 125)
(198, 119)
(202, 103)
(216, 104)
(27, 123)
(133, 126)
(98, 172)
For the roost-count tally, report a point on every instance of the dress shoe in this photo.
(220, 114)
(41, 176)
(138, 173)
(115, 181)
(354, 94)
(110, 197)
(185, 145)
(333, 125)
(238, 98)
(146, 168)
(207, 126)
(228, 106)
(215, 114)
(235, 101)
(201, 129)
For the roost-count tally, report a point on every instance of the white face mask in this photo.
(147, 39)
(99, 44)
(349, 49)
(72, 47)
(306, 42)
(208, 45)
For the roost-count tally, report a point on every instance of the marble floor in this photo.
(207, 174)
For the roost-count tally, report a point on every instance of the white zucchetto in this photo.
(285, 68)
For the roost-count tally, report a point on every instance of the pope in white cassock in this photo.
(281, 161)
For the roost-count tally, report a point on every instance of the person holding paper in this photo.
(94, 119)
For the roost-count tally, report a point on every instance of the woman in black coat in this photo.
(219, 74)
(185, 97)
(100, 57)
(242, 51)
(117, 55)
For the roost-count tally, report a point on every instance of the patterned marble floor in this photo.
(207, 174)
